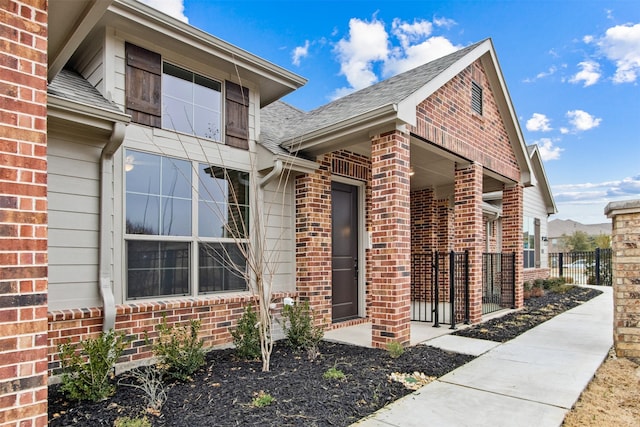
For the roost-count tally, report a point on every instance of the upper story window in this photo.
(191, 103)
(476, 98)
(163, 95)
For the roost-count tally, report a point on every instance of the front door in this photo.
(344, 246)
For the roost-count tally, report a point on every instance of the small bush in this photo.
(179, 349)
(333, 374)
(246, 336)
(299, 329)
(395, 349)
(132, 422)
(87, 372)
(262, 399)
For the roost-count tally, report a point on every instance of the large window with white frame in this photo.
(186, 226)
(529, 240)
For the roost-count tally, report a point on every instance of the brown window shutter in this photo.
(237, 114)
(143, 85)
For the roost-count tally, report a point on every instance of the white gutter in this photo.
(106, 226)
(275, 172)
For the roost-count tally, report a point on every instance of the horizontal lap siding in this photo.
(534, 207)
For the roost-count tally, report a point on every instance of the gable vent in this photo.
(476, 98)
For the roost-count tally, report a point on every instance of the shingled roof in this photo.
(71, 86)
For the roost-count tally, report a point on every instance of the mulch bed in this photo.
(536, 310)
(220, 394)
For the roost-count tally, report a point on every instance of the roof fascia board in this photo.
(503, 99)
(81, 28)
(407, 107)
(336, 133)
(189, 35)
(543, 181)
(84, 113)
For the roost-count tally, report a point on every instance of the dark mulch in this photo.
(221, 393)
(536, 310)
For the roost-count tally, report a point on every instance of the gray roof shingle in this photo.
(72, 86)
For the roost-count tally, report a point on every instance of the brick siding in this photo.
(23, 214)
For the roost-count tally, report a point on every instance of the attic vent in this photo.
(476, 98)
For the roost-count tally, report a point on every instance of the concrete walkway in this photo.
(532, 380)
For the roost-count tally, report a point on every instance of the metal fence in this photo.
(590, 268)
(498, 281)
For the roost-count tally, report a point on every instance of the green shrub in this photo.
(179, 349)
(87, 372)
(333, 374)
(132, 422)
(246, 336)
(262, 399)
(395, 349)
(298, 327)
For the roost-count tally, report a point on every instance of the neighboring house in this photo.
(140, 177)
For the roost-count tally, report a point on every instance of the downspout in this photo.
(275, 172)
(106, 229)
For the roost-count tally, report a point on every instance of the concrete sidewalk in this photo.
(532, 380)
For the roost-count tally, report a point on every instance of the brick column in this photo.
(23, 214)
(391, 239)
(625, 241)
(512, 212)
(468, 227)
(313, 241)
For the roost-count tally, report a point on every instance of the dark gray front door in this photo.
(344, 246)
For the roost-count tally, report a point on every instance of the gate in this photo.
(440, 288)
(498, 281)
(585, 268)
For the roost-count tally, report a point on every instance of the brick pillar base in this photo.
(625, 241)
(313, 241)
(391, 240)
(23, 215)
(469, 228)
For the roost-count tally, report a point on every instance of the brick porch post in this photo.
(23, 215)
(468, 226)
(512, 211)
(391, 239)
(313, 240)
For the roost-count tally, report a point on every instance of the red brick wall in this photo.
(446, 120)
(217, 314)
(531, 274)
(23, 214)
(391, 239)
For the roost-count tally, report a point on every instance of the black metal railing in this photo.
(498, 281)
(590, 268)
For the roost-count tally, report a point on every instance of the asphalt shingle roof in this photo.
(72, 86)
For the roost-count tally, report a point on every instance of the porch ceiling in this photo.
(435, 168)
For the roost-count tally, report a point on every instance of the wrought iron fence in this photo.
(498, 281)
(590, 268)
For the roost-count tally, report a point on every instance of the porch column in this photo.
(313, 241)
(512, 233)
(391, 239)
(468, 227)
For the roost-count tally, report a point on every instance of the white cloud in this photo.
(367, 42)
(299, 53)
(590, 73)
(585, 202)
(548, 151)
(367, 53)
(587, 39)
(173, 8)
(538, 123)
(582, 121)
(621, 44)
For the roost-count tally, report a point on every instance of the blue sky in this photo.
(572, 69)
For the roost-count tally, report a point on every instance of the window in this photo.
(190, 103)
(159, 94)
(169, 219)
(530, 231)
(476, 98)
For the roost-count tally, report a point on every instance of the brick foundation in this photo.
(625, 241)
(23, 214)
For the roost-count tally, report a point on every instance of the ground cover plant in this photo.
(298, 391)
